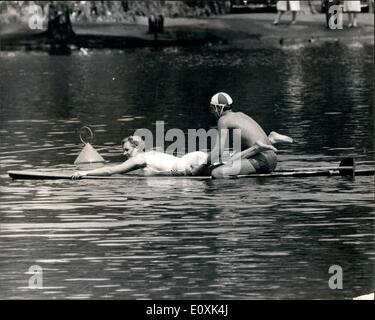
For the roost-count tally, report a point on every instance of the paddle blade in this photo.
(348, 172)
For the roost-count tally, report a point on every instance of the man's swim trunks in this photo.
(264, 162)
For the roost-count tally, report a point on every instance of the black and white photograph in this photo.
(195, 152)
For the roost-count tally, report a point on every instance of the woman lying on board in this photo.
(154, 163)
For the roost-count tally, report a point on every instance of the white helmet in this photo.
(221, 101)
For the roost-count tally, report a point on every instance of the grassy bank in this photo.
(237, 30)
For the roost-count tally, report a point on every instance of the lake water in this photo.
(180, 238)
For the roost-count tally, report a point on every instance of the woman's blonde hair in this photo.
(136, 141)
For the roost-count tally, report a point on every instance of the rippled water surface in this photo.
(180, 238)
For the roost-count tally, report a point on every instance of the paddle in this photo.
(349, 163)
(346, 168)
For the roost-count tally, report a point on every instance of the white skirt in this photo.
(283, 5)
(352, 6)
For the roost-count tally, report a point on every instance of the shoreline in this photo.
(242, 31)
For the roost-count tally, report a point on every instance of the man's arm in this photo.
(215, 155)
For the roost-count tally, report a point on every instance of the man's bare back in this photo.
(251, 131)
(254, 156)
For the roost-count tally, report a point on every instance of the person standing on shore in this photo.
(284, 6)
(352, 7)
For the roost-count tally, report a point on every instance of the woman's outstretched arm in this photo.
(129, 165)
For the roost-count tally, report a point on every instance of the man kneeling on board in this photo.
(257, 155)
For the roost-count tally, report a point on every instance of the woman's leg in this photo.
(294, 17)
(278, 17)
(350, 16)
(354, 19)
